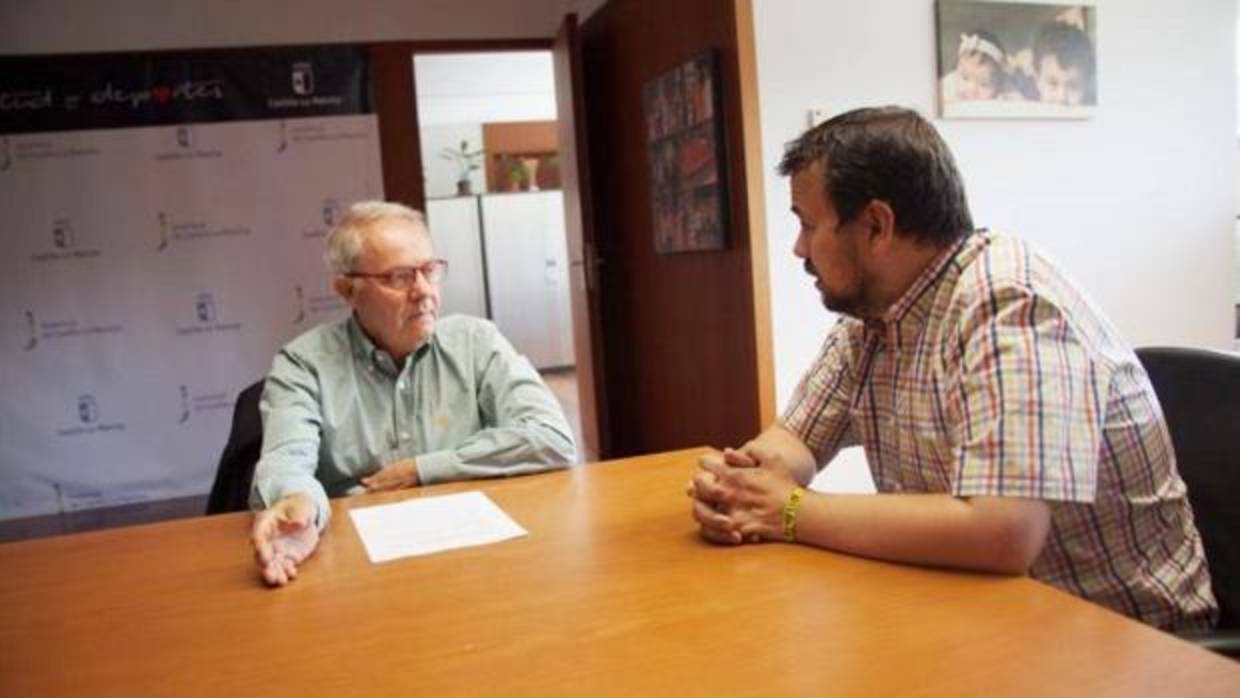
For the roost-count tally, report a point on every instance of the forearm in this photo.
(990, 534)
(500, 451)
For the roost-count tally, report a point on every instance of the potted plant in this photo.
(466, 161)
(518, 176)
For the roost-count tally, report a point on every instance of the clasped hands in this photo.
(739, 495)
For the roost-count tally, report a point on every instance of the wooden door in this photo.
(583, 260)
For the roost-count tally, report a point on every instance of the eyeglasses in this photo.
(403, 278)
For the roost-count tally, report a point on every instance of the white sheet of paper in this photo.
(432, 524)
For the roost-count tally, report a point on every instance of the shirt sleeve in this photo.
(1031, 400)
(820, 412)
(292, 418)
(524, 430)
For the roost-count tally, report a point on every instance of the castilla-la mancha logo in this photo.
(88, 409)
(62, 233)
(89, 419)
(65, 244)
(303, 78)
(204, 307)
(331, 212)
(206, 317)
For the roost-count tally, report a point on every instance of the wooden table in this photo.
(612, 592)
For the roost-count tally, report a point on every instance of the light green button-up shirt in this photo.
(465, 405)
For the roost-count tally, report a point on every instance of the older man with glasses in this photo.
(392, 396)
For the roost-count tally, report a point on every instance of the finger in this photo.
(261, 537)
(714, 465)
(706, 489)
(273, 574)
(751, 533)
(709, 517)
(290, 568)
(717, 536)
(710, 460)
(738, 459)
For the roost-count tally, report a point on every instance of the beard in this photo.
(850, 301)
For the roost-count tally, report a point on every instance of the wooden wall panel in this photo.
(682, 355)
(392, 67)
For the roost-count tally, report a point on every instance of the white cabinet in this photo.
(455, 235)
(513, 261)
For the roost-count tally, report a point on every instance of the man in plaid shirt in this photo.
(1007, 426)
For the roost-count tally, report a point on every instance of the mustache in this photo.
(809, 268)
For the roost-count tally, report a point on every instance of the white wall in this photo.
(455, 88)
(1136, 203)
(77, 26)
(458, 92)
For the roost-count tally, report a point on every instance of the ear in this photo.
(343, 286)
(880, 224)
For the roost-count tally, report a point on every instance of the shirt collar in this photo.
(365, 350)
(901, 325)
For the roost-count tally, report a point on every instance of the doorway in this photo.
(487, 128)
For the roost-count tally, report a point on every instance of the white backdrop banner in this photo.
(151, 272)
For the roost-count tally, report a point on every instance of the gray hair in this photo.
(344, 243)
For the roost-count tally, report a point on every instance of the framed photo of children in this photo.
(1030, 59)
(680, 110)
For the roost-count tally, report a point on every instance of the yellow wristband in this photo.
(791, 507)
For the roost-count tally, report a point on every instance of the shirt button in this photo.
(404, 435)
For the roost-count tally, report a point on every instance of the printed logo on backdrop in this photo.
(36, 331)
(64, 93)
(14, 150)
(316, 308)
(206, 318)
(64, 244)
(328, 215)
(315, 131)
(191, 404)
(205, 307)
(168, 230)
(182, 146)
(87, 419)
(303, 78)
(32, 332)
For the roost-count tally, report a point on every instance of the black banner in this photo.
(121, 90)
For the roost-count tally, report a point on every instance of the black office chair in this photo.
(1199, 392)
(231, 491)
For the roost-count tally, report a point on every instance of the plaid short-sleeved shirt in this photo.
(994, 376)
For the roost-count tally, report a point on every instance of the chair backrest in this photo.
(231, 491)
(1199, 392)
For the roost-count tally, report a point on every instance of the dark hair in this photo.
(891, 154)
(1068, 44)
